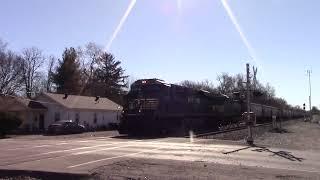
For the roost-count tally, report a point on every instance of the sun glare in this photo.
(179, 5)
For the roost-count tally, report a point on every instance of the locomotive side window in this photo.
(193, 100)
(219, 108)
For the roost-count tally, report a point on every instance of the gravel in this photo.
(294, 134)
(300, 135)
(168, 169)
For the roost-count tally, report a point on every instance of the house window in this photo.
(95, 118)
(77, 118)
(57, 116)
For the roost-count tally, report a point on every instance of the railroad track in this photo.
(228, 130)
(208, 134)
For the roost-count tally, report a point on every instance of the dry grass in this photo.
(300, 135)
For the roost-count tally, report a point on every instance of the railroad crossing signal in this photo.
(248, 84)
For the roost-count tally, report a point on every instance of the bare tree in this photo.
(226, 83)
(49, 81)
(129, 81)
(239, 82)
(267, 90)
(270, 91)
(203, 85)
(31, 75)
(89, 63)
(10, 72)
(3, 45)
(190, 84)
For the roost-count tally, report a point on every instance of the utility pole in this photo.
(255, 71)
(309, 74)
(249, 123)
(304, 112)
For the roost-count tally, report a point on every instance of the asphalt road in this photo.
(82, 154)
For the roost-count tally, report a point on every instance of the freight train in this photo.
(153, 106)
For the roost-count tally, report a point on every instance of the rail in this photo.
(238, 129)
(229, 130)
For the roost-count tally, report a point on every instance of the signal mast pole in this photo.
(249, 138)
(309, 74)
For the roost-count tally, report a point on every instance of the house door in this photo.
(41, 122)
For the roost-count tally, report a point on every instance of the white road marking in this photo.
(104, 149)
(74, 154)
(192, 156)
(87, 147)
(163, 144)
(29, 147)
(38, 146)
(102, 137)
(130, 154)
(178, 151)
(67, 150)
(61, 144)
(74, 149)
(133, 144)
(114, 157)
(82, 141)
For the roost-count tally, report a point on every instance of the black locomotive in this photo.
(153, 106)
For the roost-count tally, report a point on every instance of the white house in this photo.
(90, 111)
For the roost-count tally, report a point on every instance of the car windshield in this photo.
(159, 89)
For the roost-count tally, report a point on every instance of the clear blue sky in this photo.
(196, 41)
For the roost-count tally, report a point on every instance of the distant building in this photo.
(92, 112)
(31, 113)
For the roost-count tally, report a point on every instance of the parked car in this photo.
(65, 127)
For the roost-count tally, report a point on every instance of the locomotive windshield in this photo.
(146, 90)
(145, 95)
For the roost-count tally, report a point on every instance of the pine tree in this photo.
(109, 79)
(67, 75)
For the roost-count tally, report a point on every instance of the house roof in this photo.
(7, 101)
(84, 102)
(36, 105)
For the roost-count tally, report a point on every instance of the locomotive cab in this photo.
(142, 105)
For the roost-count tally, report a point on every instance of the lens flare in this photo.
(119, 26)
(191, 136)
(179, 6)
(238, 28)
